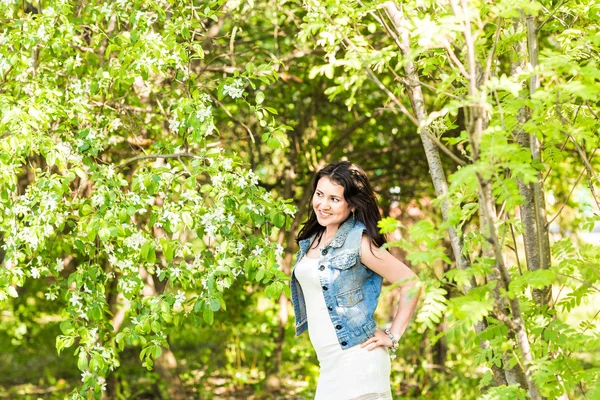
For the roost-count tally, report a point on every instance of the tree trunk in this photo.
(539, 231)
(436, 169)
(474, 122)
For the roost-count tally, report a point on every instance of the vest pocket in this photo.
(350, 298)
(344, 259)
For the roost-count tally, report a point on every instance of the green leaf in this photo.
(279, 220)
(215, 305)
(12, 292)
(208, 315)
(104, 234)
(260, 97)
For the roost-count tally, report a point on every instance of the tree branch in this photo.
(146, 156)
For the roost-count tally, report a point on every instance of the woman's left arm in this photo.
(393, 270)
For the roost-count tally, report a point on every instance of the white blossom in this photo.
(85, 375)
(49, 203)
(51, 296)
(75, 300)
(204, 113)
(41, 32)
(278, 250)
(217, 179)
(115, 124)
(209, 129)
(174, 124)
(179, 299)
(98, 199)
(172, 217)
(176, 271)
(135, 241)
(257, 251)
(289, 211)
(252, 177)
(234, 90)
(35, 272)
(77, 61)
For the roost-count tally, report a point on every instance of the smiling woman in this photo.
(336, 284)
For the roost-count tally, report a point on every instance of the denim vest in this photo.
(351, 290)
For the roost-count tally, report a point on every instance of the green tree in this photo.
(462, 67)
(114, 191)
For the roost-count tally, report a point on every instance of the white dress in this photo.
(351, 374)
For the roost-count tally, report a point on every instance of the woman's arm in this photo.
(393, 270)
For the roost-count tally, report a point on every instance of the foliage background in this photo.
(128, 133)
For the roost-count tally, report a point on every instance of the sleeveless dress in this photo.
(351, 374)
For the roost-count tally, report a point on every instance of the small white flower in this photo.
(179, 299)
(176, 271)
(290, 211)
(115, 124)
(135, 241)
(234, 90)
(35, 273)
(278, 250)
(98, 200)
(51, 296)
(203, 113)
(174, 125)
(252, 177)
(77, 61)
(49, 203)
(227, 164)
(209, 129)
(217, 179)
(257, 251)
(85, 375)
(75, 300)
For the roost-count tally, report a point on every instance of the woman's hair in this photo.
(359, 195)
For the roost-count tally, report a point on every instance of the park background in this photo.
(156, 159)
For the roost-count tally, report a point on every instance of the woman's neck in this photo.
(328, 234)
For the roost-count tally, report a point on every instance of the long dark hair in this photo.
(359, 195)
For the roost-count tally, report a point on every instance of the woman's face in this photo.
(329, 204)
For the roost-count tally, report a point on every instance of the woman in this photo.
(336, 283)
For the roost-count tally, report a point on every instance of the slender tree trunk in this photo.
(474, 117)
(433, 157)
(539, 231)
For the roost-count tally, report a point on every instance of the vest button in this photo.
(324, 251)
(321, 268)
(338, 327)
(330, 308)
(344, 343)
(324, 287)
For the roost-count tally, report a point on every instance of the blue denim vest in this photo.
(351, 290)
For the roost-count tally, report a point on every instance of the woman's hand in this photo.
(380, 339)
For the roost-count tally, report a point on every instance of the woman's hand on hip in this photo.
(380, 339)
